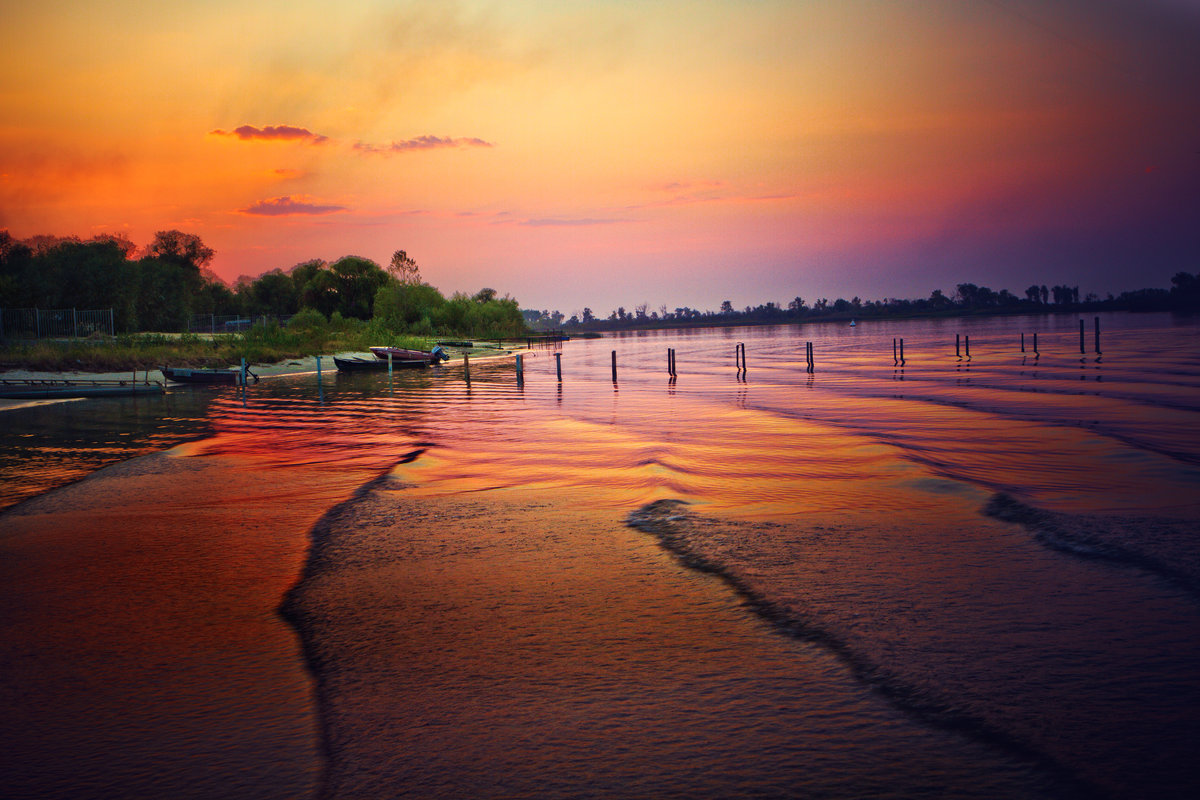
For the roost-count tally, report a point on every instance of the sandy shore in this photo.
(306, 365)
(294, 366)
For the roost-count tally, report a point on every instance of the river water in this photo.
(952, 576)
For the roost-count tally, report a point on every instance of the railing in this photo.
(235, 323)
(58, 323)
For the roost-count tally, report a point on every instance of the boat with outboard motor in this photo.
(434, 356)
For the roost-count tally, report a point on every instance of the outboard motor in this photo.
(439, 353)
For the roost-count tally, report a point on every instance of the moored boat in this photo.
(404, 354)
(358, 364)
(212, 376)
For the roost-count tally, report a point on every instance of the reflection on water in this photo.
(849, 500)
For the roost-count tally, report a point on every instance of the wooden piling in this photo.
(318, 369)
(614, 365)
(902, 351)
(1035, 350)
(967, 346)
(558, 365)
(1097, 321)
(467, 367)
(1022, 342)
(389, 365)
(1082, 351)
(958, 346)
(895, 358)
(520, 370)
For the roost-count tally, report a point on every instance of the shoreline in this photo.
(306, 365)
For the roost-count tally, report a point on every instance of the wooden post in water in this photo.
(902, 351)
(389, 365)
(467, 367)
(1022, 341)
(895, 358)
(318, 370)
(967, 346)
(811, 360)
(520, 370)
(1035, 350)
(958, 346)
(1097, 321)
(558, 365)
(243, 372)
(614, 365)
(1081, 348)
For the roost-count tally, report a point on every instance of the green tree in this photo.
(358, 280)
(402, 306)
(274, 292)
(320, 292)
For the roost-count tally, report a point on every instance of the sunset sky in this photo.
(611, 153)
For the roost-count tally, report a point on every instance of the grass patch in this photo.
(259, 345)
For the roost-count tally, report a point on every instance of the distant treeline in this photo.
(162, 287)
(1183, 296)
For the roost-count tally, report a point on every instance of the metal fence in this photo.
(56, 323)
(216, 323)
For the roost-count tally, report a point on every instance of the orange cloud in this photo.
(273, 133)
(421, 143)
(288, 206)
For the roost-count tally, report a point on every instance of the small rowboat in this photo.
(356, 364)
(211, 376)
(404, 354)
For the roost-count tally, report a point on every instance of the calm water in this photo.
(948, 577)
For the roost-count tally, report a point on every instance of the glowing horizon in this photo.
(603, 154)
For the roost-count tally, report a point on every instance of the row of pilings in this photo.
(962, 352)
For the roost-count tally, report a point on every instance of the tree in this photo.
(588, 316)
(727, 306)
(484, 295)
(416, 306)
(1033, 293)
(304, 272)
(1185, 291)
(320, 292)
(274, 293)
(177, 247)
(358, 280)
(404, 269)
